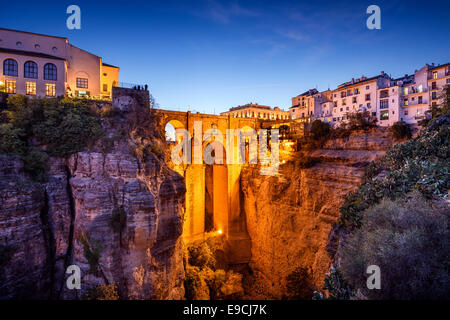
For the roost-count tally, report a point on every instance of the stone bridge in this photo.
(213, 194)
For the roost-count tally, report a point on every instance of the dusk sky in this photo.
(211, 55)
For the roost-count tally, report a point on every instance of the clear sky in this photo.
(210, 55)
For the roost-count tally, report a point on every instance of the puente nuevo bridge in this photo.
(213, 194)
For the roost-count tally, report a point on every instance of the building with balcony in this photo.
(437, 78)
(254, 110)
(47, 66)
(389, 100)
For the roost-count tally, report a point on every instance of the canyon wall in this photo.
(67, 220)
(289, 215)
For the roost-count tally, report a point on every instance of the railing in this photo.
(134, 86)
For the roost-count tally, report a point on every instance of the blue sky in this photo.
(210, 55)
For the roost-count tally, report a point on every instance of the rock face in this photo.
(289, 216)
(44, 226)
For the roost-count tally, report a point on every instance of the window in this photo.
(354, 99)
(420, 88)
(18, 43)
(406, 91)
(82, 93)
(82, 83)
(433, 85)
(405, 102)
(347, 108)
(342, 109)
(50, 72)
(406, 112)
(435, 75)
(384, 115)
(433, 95)
(374, 114)
(30, 70)
(420, 100)
(10, 86)
(343, 102)
(31, 87)
(105, 87)
(384, 104)
(367, 87)
(54, 49)
(447, 80)
(367, 96)
(10, 67)
(368, 105)
(50, 89)
(36, 46)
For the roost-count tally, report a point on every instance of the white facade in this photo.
(389, 100)
(35, 64)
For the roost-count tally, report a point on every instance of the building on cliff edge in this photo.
(46, 66)
(389, 100)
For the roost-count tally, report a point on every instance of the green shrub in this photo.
(38, 128)
(418, 164)
(103, 292)
(200, 255)
(12, 139)
(409, 240)
(118, 219)
(298, 284)
(320, 130)
(195, 284)
(203, 281)
(35, 163)
(401, 130)
(92, 251)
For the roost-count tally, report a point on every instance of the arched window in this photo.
(50, 71)
(30, 70)
(10, 67)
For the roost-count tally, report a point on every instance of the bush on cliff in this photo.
(401, 130)
(402, 232)
(103, 292)
(38, 128)
(203, 280)
(92, 251)
(418, 164)
(409, 240)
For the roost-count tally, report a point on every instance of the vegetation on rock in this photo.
(38, 128)
(204, 280)
(398, 219)
(409, 240)
(103, 292)
(92, 251)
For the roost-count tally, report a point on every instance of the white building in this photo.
(42, 65)
(389, 100)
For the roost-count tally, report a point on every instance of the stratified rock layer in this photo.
(289, 216)
(42, 224)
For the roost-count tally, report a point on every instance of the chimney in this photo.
(382, 73)
(353, 80)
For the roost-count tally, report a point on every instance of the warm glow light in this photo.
(220, 231)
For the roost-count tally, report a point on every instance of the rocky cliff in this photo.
(69, 219)
(289, 216)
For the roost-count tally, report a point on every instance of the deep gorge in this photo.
(47, 226)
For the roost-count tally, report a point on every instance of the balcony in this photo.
(419, 116)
